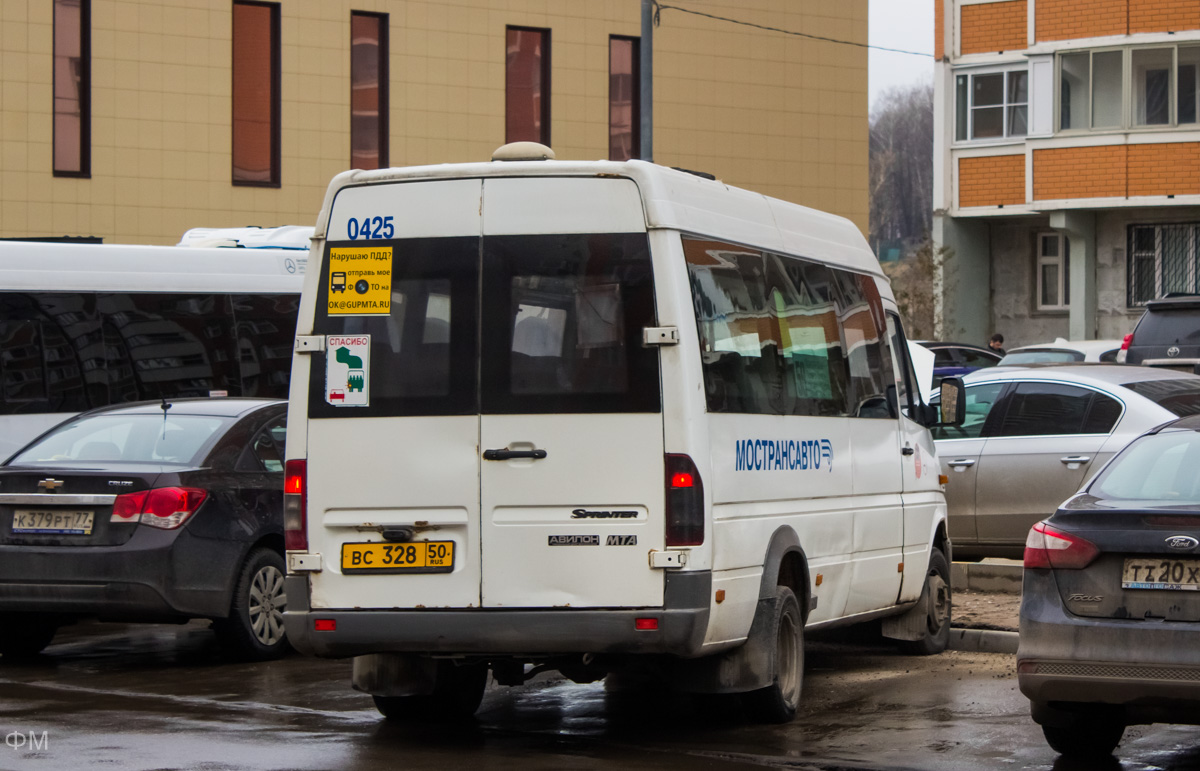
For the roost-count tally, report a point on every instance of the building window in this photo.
(368, 90)
(1053, 273)
(527, 85)
(1163, 87)
(624, 113)
(256, 109)
(992, 105)
(1162, 260)
(72, 88)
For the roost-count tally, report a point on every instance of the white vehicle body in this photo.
(86, 325)
(555, 484)
(1063, 351)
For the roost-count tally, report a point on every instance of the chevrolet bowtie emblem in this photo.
(50, 485)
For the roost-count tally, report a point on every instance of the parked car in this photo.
(958, 359)
(151, 511)
(1110, 605)
(1032, 436)
(1167, 335)
(1064, 352)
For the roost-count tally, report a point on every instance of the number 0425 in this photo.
(369, 228)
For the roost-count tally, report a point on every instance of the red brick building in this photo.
(1067, 163)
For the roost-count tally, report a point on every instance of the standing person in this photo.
(996, 343)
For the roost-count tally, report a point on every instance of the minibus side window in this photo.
(769, 335)
(562, 324)
(863, 328)
(906, 394)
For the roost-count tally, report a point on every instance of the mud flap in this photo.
(913, 624)
(741, 670)
(394, 674)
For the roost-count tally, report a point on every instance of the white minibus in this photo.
(88, 325)
(599, 417)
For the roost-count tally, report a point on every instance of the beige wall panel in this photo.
(780, 114)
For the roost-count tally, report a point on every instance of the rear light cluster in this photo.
(685, 502)
(1128, 341)
(295, 505)
(163, 507)
(1048, 547)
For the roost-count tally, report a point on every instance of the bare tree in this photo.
(901, 167)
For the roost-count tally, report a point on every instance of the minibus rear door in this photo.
(572, 476)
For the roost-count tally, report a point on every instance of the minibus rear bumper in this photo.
(680, 624)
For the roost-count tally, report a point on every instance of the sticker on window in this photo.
(348, 370)
(360, 281)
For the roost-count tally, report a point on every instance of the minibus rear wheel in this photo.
(778, 702)
(456, 695)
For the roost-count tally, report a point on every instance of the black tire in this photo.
(254, 629)
(939, 609)
(456, 696)
(23, 635)
(778, 702)
(1093, 740)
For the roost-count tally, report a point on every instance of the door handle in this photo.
(960, 464)
(1075, 459)
(511, 454)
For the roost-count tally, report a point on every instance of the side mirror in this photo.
(953, 402)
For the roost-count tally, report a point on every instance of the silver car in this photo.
(1033, 435)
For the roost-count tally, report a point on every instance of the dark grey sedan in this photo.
(1110, 608)
(154, 511)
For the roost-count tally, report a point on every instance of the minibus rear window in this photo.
(421, 358)
(562, 324)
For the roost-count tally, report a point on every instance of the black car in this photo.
(1167, 335)
(958, 359)
(1110, 606)
(151, 511)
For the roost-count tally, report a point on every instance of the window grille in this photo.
(1162, 260)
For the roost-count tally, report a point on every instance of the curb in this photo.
(983, 641)
(986, 577)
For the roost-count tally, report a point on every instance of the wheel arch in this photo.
(786, 564)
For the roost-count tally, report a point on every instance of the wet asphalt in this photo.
(164, 697)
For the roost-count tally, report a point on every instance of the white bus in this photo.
(87, 325)
(596, 416)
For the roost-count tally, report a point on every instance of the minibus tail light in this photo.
(1049, 547)
(295, 505)
(685, 502)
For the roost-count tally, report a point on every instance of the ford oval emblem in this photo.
(1182, 542)
(1173, 351)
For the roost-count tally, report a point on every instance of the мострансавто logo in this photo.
(783, 455)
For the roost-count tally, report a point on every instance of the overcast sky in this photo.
(906, 24)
